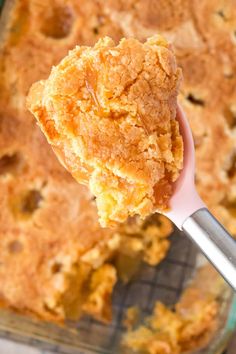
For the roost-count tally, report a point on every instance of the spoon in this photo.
(189, 213)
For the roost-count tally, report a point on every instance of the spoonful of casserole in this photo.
(109, 113)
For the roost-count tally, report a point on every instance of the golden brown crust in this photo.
(110, 112)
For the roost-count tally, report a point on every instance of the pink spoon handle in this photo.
(185, 200)
(189, 214)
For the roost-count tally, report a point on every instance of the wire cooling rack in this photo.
(164, 283)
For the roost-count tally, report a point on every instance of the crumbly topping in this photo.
(98, 303)
(145, 240)
(109, 112)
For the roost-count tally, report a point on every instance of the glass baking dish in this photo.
(164, 283)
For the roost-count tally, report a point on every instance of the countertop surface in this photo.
(9, 347)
